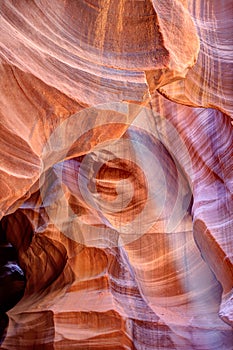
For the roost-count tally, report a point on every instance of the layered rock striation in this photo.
(116, 175)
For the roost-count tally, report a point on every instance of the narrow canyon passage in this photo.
(116, 175)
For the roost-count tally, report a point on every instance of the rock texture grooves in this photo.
(116, 174)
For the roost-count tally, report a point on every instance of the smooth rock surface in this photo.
(116, 175)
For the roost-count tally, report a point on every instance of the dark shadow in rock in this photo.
(12, 279)
(4, 320)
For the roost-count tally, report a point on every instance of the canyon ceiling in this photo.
(116, 174)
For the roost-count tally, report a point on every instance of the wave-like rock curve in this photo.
(116, 192)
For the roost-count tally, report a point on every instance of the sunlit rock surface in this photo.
(116, 175)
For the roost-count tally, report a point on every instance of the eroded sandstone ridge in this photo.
(116, 174)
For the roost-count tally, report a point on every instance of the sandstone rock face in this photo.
(116, 175)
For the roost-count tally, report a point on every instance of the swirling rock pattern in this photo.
(116, 175)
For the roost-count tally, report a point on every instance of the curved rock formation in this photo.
(209, 82)
(116, 175)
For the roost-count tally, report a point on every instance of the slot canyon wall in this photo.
(116, 174)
